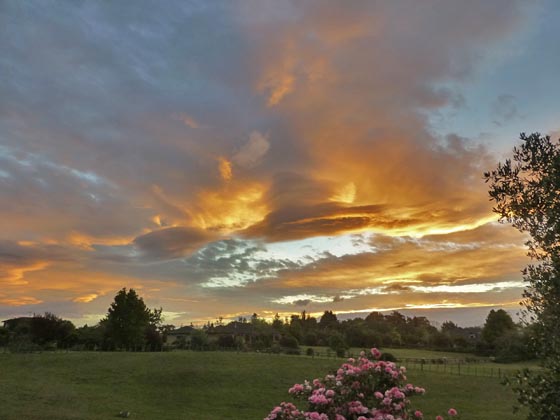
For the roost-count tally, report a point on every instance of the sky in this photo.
(238, 157)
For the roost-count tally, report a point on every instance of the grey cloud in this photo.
(15, 251)
(16, 259)
(71, 199)
(505, 109)
(253, 151)
(171, 242)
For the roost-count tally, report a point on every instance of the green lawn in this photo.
(199, 386)
(428, 354)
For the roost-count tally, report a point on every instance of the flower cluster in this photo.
(365, 388)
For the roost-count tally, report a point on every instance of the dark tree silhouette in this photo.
(526, 190)
(129, 323)
(328, 320)
(497, 324)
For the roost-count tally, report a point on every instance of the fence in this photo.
(476, 367)
(445, 366)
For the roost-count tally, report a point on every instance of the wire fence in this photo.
(445, 366)
(479, 367)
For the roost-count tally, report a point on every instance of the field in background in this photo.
(185, 385)
(449, 363)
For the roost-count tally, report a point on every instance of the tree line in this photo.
(131, 326)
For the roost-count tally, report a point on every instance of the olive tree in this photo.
(526, 192)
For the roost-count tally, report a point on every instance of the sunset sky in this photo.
(225, 158)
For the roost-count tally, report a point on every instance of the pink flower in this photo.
(375, 353)
(452, 412)
(439, 418)
(296, 388)
(418, 414)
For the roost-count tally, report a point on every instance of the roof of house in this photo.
(15, 321)
(182, 330)
(234, 327)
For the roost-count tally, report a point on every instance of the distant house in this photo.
(473, 333)
(183, 334)
(236, 331)
(21, 324)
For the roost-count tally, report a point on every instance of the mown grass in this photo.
(199, 386)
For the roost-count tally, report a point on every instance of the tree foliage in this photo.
(49, 328)
(526, 192)
(497, 324)
(130, 324)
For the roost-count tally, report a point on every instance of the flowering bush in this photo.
(361, 389)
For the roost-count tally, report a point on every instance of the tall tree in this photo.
(128, 321)
(526, 190)
(497, 324)
(328, 320)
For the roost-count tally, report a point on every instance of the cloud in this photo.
(224, 166)
(468, 264)
(337, 99)
(505, 109)
(18, 259)
(171, 242)
(253, 151)
(186, 119)
(86, 298)
(302, 302)
(277, 84)
(20, 301)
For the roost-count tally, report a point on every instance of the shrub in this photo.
(289, 341)
(23, 345)
(226, 341)
(362, 389)
(388, 357)
(337, 343)
(275, 348)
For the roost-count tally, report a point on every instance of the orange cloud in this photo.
(85, 241)
(224, 166)
(16, 275)
(20, 301)
(230, 208)
(86, 298)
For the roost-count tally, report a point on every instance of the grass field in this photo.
(456, 363)
(198, 386)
